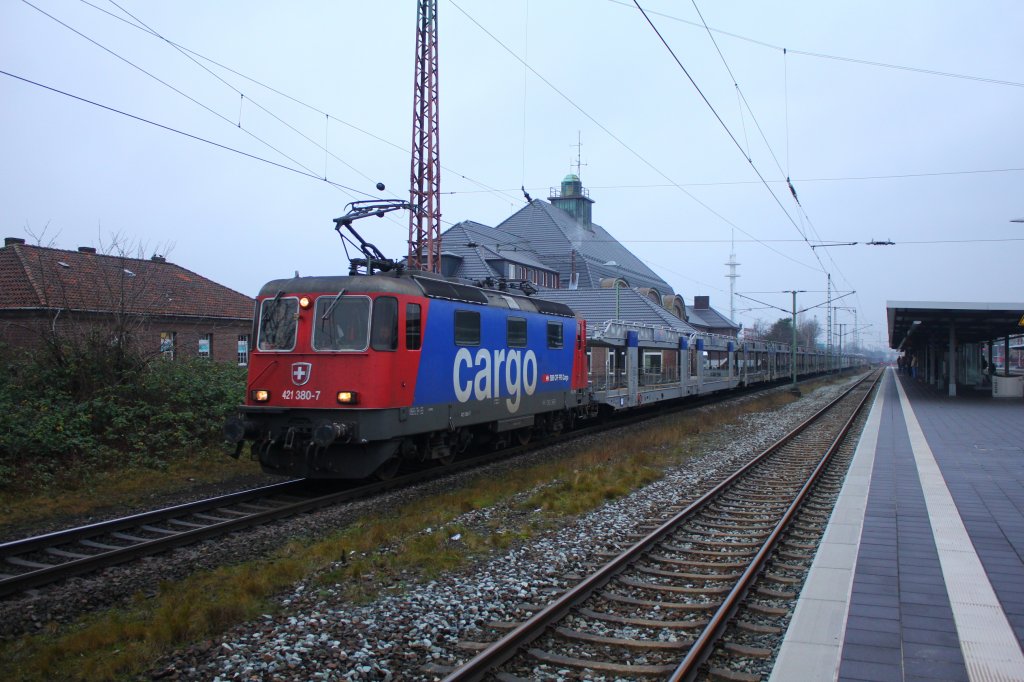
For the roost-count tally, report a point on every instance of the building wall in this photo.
(31, 331)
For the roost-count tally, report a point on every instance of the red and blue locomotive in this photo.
(352, 375)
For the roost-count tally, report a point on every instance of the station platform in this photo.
(920, 574)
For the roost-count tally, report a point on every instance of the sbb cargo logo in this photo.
(548, 378)
(482, 376)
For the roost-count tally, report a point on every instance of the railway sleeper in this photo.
(757, 628)
(701, 541)
(747, 651)
(673, 589)
(66, 554)
(713, 565)
(638, 644)
(695, 577)
(600, 666)
(765, 610)
(694, 624)
(26, 563)
(701, 607)
(775, 594)
(781, 579)
(471, 646)
(726, 675)
(708, 552)
(733, 525)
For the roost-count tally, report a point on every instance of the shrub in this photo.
(84, 412)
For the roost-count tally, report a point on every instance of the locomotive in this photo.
(351, 375)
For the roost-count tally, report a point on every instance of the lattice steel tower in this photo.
(425, 186)
(732, 279)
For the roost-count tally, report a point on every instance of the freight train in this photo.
(350, 376)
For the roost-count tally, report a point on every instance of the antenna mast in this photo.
(425, 186)
(732, 279)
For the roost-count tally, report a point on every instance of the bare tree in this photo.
(95, 314)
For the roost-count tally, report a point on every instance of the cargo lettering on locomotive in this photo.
(520, 375)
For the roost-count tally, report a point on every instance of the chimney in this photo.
(11, 241)
(158, 259)
(702, 302)
(87, 249)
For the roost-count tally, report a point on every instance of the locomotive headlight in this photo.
(260, 396)
(348, 397)
(304, 302)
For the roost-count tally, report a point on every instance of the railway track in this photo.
(658, 609)
(37, 561)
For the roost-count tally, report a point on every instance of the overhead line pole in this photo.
(425, 180)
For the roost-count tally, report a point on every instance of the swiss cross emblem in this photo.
(301, 372)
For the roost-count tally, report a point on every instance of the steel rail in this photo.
(15, 547)
(500, 651)
(700, 650)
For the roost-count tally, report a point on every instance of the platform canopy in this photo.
(913, 324)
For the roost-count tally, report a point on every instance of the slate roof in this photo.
(554, 234)
(34, 277)
(597, 306)
(710, 318)
(479, 247)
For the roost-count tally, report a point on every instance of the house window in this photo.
(243, 350)
(206, 345)
(167, 344)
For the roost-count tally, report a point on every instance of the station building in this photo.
(555, 248)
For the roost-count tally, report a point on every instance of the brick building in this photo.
(160, 307)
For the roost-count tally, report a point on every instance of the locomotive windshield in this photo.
(341, 324)
(279, 319)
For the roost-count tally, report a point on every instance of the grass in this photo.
(126, 487)
(419, 540)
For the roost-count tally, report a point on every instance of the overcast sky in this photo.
(896, 121)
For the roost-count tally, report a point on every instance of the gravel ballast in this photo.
(402, 636)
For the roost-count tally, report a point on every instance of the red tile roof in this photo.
(40, 277)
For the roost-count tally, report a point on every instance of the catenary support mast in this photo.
(425, 186)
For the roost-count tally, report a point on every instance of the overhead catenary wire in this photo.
(726, 183)
(141, 27)
(149, 29)
(724, 126)
(620, 141)
(185, 134)
(168, 85)
(820, 55)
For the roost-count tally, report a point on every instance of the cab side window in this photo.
(384, 326)
(413, 326)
